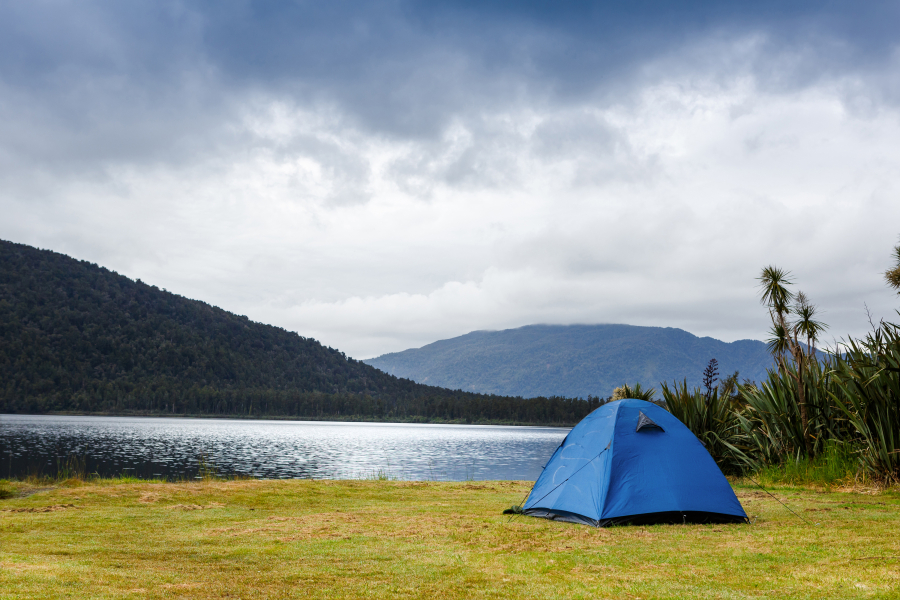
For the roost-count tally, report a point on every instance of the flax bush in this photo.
(771, 421)
(867, 392)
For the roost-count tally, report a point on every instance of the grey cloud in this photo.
(347, 170)
(87, 85)
(406, 68)
(114, 116)
(560, 137)
(487, 153)
(476, 154)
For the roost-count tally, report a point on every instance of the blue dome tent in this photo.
(631, 461)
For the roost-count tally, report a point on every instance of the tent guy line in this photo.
(779, 502)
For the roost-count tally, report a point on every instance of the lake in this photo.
(173, 448)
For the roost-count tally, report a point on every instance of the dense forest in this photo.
(78, 338)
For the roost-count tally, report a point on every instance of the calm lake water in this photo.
(175, 448)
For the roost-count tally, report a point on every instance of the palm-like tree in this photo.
(775, 295)
(805, 324)
(778, 344)
(777, 298)
(786, 335)
(893, 275)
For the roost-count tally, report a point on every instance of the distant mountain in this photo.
(76, 337)
(572, 360)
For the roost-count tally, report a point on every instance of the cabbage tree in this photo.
(787, 333)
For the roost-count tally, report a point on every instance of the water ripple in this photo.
(173, 448)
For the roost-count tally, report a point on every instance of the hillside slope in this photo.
(572, 360)
(77, 337)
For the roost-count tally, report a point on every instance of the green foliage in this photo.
(771, 418)
(636, 391)
(759, 427)
(71, 468)
(79, 338)
(713, 419)
(810, 420)
(853, 417)
(380, 475)
(206, 469)
(892, 276)
(867, 391)
(786, 336)
(837, 464)
(774, 292)
(6, 491)
(805, 325)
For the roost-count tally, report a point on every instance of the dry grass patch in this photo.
(387, 539)
(39, 509)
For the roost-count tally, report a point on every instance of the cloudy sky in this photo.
(380, 175)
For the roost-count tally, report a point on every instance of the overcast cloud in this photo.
(382, 175)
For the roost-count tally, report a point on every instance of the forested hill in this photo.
(76, 337)
(573, 360)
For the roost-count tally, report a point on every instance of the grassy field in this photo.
(391, 539)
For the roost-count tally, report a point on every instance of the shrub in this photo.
(867, 392)
(636, 392)
(771, 418)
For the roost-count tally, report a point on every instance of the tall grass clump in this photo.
(867, 391)
(207, 470)
(837, 464)
(71, 469)
(380, 475)
(6, 490)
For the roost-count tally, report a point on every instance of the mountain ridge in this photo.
(574, 360)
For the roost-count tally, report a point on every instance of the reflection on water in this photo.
(173, 448)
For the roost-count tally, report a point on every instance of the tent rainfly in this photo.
(633, 462)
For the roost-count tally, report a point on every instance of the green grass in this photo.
(398, 539)
(838, 466)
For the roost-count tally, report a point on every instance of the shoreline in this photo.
(324, 418)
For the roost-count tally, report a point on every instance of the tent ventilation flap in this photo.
(645, 422)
